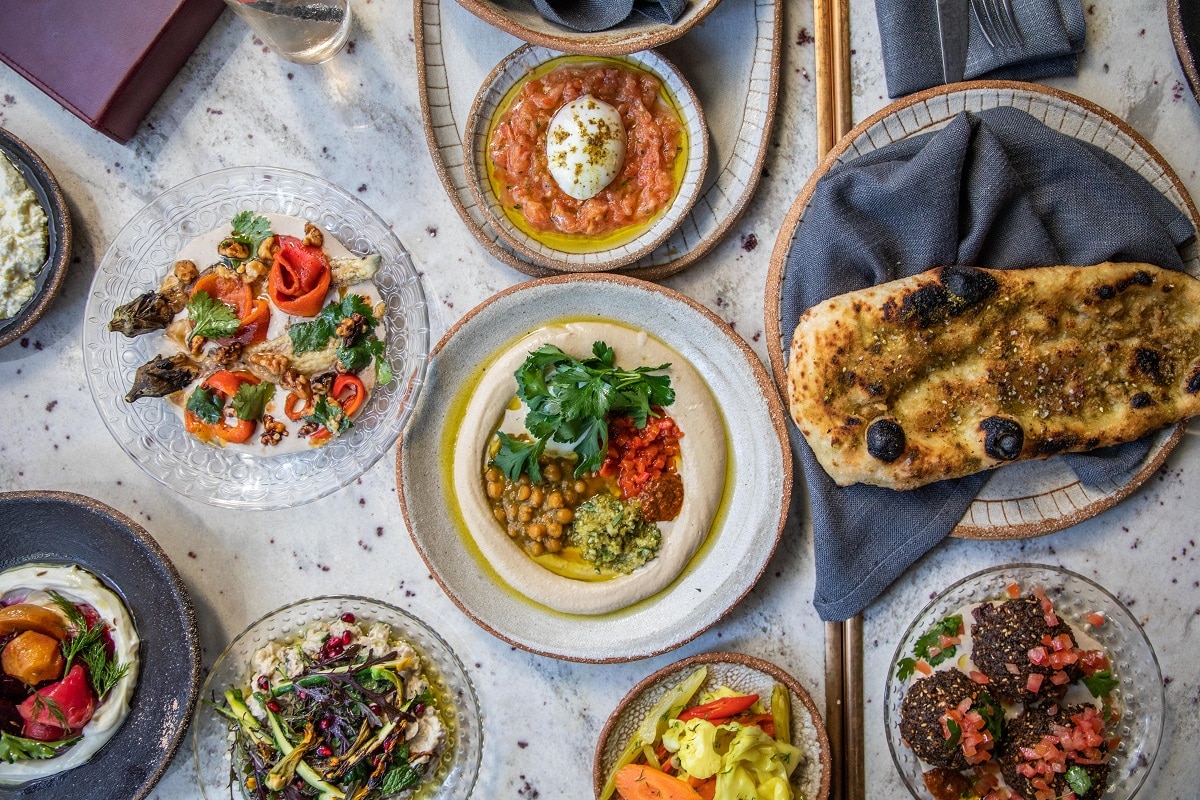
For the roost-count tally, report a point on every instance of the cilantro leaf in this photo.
(327, 412)
(932, 639)
(205, 405)
(1079, 780)
(992, 713)
(251, 400)
(1101, 684)
(213, 319)
(955, 731)
(571, 401)
(905, 668)
(18, 748)
(250, 228)
(516, 456)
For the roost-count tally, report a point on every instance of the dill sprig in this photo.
(87, 645)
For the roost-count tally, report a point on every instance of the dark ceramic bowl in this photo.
(64, 528)
(50, 279)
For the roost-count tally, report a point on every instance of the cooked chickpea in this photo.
(553, 545)
(523, 493)
(525, 514)
(580, 487)
(570, 496)
(536, 531)
(555, 500)
(554, 529)
(498, 513)
(495, 489)
(492, 474)
(536, 549)
(564, 515)
(537, 496)
(552, 472)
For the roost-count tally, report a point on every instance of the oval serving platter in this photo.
(742, 673)
(456, 51)
(521, 19)
(1031, 498)
(65, 528)
(744, 533)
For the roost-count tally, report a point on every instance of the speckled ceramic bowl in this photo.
(739, 672)
(458, 766)
(58, 220)
(496, 94)
(521, 19)
(740, 541)
(1139, 694)
(64, 528)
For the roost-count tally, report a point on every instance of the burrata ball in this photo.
(585, 146)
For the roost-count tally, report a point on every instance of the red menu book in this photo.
(106, 61)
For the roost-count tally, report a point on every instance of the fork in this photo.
(999, 25)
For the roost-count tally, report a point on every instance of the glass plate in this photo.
(152, 434)
(459, 764)
(1139, 693)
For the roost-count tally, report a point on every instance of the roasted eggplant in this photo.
(160, 376)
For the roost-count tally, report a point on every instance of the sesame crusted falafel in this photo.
(922, 713)
(1003, 636)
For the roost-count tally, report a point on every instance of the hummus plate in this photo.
(746, 521)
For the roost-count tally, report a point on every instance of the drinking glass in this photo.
(303, 31)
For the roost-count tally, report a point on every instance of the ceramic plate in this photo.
(1184, 20)
(1139, 693)
(498, 91)
(455, 51)
(521, 19)
(64, 528)
(1029, 498)
(458, 767)
(152, 434)
(58, 219)
(739, 672)
(746, 529)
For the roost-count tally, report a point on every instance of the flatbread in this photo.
(961, 369)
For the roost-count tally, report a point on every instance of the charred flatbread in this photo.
(962, 369)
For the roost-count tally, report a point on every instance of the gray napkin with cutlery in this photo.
(1053, 33)
(588, 16)
(995, 189)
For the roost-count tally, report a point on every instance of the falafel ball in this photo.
(1001, 638)
(1027, 731)
(922, 710)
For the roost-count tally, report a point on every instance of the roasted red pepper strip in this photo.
(349, 392)
(296, 406)
(253, 327)
(229, 290)
(722, 708)
(231, 429)
(299, 278)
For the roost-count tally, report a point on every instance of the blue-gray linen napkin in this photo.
(995, 189)
(588, 16)
(1053, 32)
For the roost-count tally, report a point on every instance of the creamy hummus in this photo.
(23, 240)
(32, 584)
(702, 468)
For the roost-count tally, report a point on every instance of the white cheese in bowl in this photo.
(23, 240)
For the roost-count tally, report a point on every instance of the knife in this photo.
(954, 25)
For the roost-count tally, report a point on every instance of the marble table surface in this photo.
(356, 121)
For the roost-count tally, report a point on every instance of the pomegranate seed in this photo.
(324, 724)
(419, 710)
(303, 694)
(349, 618)
(334, 648)
(273, 707)
(347, 638)
(263, 683)
(374, 708)
(324, 752)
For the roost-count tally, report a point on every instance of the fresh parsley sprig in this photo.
(931, 640)
(212, 319)
(308, 337)
(250, 229)
(569, 401)
(1101, 683)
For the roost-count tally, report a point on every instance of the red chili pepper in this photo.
(722, 708)
(299, 278)
(349, 392)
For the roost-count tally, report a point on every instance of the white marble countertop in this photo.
(357, 123)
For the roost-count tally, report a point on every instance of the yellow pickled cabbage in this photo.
(749, 764)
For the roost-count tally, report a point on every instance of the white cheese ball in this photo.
(585, 146)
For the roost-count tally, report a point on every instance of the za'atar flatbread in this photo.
(962, 369)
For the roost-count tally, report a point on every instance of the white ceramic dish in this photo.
(741, 540)
(1031, 498)
(153, 435)
(458, 767)
(739, 672)
(1139, 693)
(498, 90)
(455, 51)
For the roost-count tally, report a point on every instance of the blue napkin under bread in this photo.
(994, 189)
(1053, 34)
(588, 16)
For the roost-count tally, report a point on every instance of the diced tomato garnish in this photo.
(1038, 656)
(1059, 678)
(1013, 590)
(1034, 684)
(1095, 618)
(922, 666)
(979, 677)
